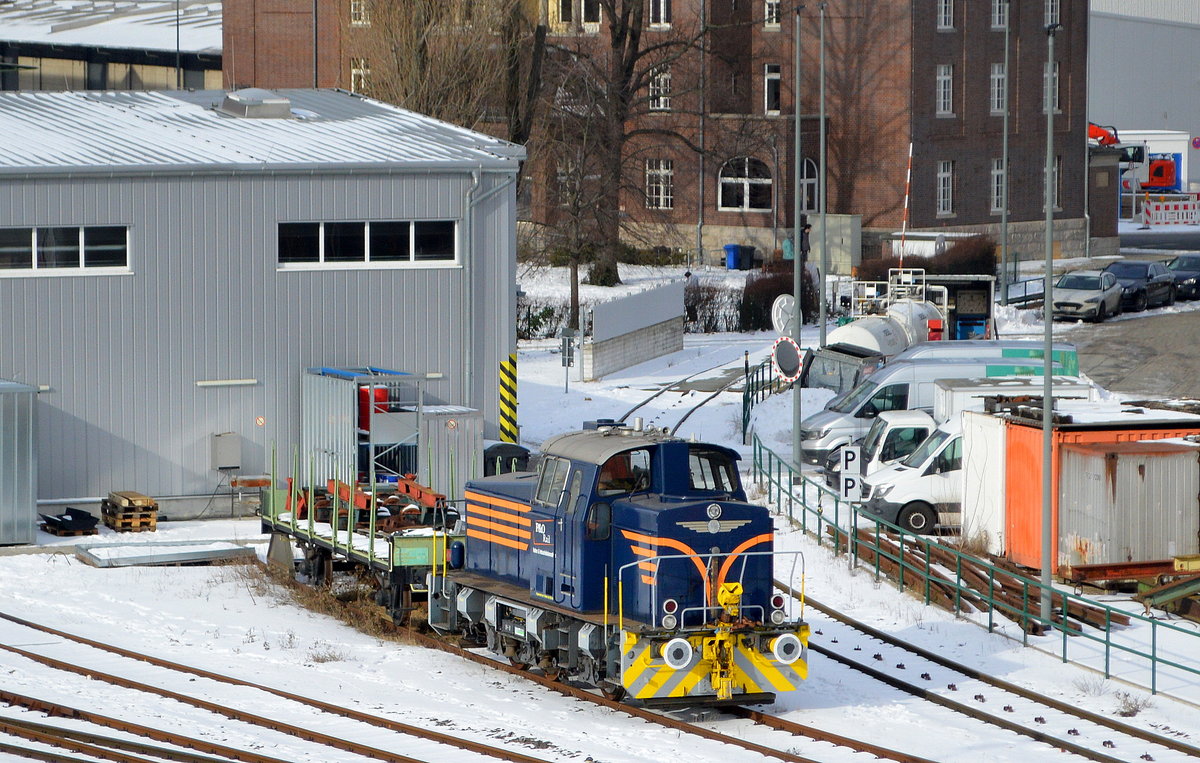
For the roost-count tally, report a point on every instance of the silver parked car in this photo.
(1087, 295)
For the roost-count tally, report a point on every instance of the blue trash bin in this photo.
(733, 256)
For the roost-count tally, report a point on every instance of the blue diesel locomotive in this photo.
(630, 560)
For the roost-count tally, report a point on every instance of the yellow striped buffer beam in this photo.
(715, 662)
(508, 399)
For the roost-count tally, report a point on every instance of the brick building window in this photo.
(745, 186)
(660, 13)
(1000, 14)
(945, 14)
(997, 185)
(771, 13)
(359, 13)
(945, 188)
(360, 71)
(1053, 12)
(566, 11)
(1050, 87)
(944, 90)
(771, 85)
(660, 184)
(660, 88)
(591, 11)
(998, 92)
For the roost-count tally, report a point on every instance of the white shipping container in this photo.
(951, 396)
(983, 483)
(1132, 501)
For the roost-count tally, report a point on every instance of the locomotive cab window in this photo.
(711, 470)
(626, 472)
(552, 480)
(599, 521)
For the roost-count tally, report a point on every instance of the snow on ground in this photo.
(216, 618)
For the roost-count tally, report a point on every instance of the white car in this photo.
(1087, 295)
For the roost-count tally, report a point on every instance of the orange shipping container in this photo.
(1023, 481)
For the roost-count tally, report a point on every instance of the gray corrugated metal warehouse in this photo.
(171, 262)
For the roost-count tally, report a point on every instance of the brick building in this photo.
(929, 72)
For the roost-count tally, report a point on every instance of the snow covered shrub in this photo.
(710, 307)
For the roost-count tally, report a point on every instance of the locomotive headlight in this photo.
(777, 617)
(669, 622)
(786, 648)
(677, 653)
(714, 511)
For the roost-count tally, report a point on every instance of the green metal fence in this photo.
(761, 381)
(814, 508)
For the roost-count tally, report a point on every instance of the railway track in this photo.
(680, 386)
(224, 709)
(793, 729)
(966, 690)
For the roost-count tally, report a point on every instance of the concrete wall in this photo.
(603, 358)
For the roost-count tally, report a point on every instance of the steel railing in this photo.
(761, 382)
(808, 504)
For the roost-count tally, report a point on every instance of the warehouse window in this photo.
(357, 244)
(63, 249)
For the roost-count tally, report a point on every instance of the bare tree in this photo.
(474, 63)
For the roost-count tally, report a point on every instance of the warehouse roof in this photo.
(169, 131)
(134, 24)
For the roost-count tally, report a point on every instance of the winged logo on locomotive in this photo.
(632, 561)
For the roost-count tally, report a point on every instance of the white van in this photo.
(842, 367)
(903, 385)
(924, 490)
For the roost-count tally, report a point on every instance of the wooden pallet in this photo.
(125, 524)
(128, 499)
(128, 519)
(57, 531)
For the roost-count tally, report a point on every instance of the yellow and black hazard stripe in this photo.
(498, 521)
(508, 399)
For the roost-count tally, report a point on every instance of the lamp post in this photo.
(1004, 161)
(824, 269)
(178, 53)
(797, 265)
(1047, 317)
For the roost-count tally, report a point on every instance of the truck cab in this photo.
(924, 490)
(892, 436)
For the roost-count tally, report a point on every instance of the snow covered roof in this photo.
(162, 131)
(136, 24)
(1112, 413)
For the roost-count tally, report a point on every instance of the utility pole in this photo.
(797, 265)
(1047, 318)
(824, 285)
(1004, 161)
